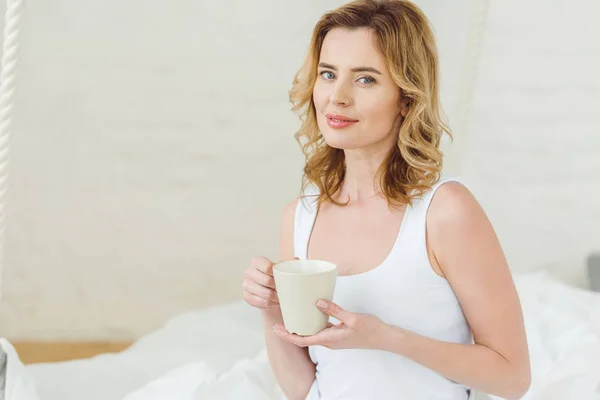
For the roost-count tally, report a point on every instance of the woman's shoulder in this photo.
(286, 244)
(293, 212)
(442, 185)
(451, 202)
(305, 200)
(289, 210)
(308, 198)
(308, 193)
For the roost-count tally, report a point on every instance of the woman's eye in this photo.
(327, 75)
(367, 80)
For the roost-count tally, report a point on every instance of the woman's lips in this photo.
(339, 121)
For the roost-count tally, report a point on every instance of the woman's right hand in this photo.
(259, 285)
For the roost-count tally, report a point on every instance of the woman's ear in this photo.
(404, 107)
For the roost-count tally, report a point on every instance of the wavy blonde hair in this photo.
(406, 40)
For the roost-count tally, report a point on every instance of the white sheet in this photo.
(248, 379)
(217, 337)
(218, 354)
(18, 382)
(563, 329)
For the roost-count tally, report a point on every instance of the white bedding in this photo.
(219, 354)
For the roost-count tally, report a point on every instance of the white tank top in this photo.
(403, 291)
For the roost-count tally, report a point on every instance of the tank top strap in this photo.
(414, 226)
(421, 205)
(306, 212)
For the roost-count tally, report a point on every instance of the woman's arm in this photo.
(291, 364)
(465, 248)
(474, 365)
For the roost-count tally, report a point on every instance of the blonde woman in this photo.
(425, 306)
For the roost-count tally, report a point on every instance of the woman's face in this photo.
(356, 101)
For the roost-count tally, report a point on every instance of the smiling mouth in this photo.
(339, 118)
(339, 122)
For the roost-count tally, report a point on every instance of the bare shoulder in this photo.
(289, 211)
(455, 223)
(286, 241)
(453, 204)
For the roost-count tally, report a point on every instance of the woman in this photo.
(425, 304)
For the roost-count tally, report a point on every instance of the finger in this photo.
(281, 261)
(270, 272)
(259, 302)
(260, 291)
(262, 278)
(300, 341)
(335, 311)
(322, 338)
(262, 264)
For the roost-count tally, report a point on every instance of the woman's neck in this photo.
(360, 183)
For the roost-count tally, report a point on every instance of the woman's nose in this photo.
(340, 96)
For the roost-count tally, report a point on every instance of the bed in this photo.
(218, 353)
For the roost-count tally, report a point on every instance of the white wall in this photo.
(153, 150)
(533, 147)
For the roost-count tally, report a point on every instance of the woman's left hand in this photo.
(355, 331)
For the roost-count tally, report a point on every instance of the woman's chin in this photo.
(341, 143)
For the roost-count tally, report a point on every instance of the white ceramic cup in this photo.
(300, 284)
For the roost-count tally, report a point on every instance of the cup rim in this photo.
(331, 267)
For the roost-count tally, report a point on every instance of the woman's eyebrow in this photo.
(356, 69)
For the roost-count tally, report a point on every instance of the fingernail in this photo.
(321, 304)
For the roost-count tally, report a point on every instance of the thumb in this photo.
(334, 310)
